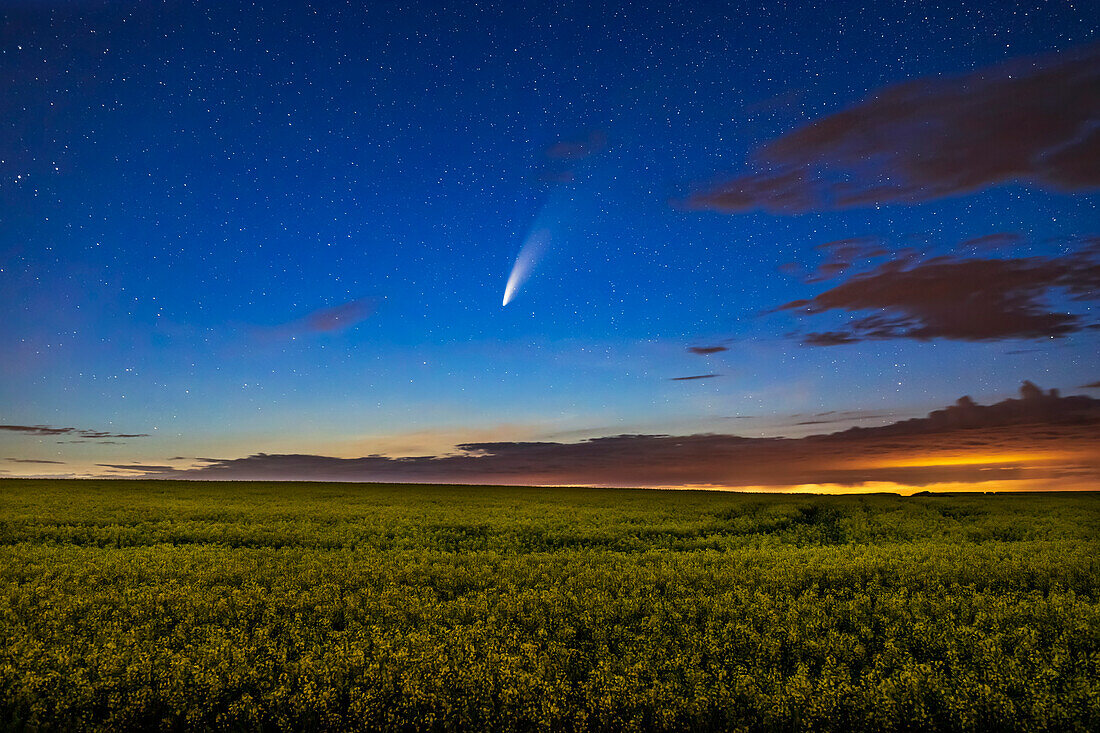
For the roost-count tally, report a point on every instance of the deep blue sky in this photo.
(188, 190)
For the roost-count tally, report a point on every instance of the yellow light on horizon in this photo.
(970, 459)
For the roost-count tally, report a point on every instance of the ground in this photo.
(147, 605)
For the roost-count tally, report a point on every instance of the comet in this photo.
(529, 254)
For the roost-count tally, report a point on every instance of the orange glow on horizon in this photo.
(889, 487)
(971, 459)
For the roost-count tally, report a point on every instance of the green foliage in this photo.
(264, 606)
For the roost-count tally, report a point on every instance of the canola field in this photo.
(141, 605)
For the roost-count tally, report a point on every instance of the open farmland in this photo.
(161, 605)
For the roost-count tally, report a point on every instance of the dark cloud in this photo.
(707, 350)
(48, 430)
(1034, 120)
(32, 460)
(1091, 385)
(37, 429)
(694, 376)
(139, 467)
(97, 442)
(957, 298)
(829, 338)
(1034, 406)
(1039, 437)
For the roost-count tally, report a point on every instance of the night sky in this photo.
(272, 240)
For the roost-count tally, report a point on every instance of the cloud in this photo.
(829, 338)
(1091, 385)
(97, 442)
(833, 417)
(335, 319)
(564, 157)
(1033, 120)
(37, 429)
(852, 248)
(842, 255)
(578, 148)
(1032, 407)
(139, 467)
(993, 242)
(49, 476)
(695, 376)
(338, 318)
(48, 430)
(1040, 437)
(707, 350)
(965, 299)
(32, 460)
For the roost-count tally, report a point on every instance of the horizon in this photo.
(929, 461)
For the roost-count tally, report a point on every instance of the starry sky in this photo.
(272, 240)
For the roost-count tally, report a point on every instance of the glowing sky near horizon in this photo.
(230, 229)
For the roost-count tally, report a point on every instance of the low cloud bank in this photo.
(1039, 437)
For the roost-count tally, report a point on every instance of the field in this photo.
(131, 605)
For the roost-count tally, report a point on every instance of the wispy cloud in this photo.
(141, 467)
(340, 317)
(47, 430)
(329, 320)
